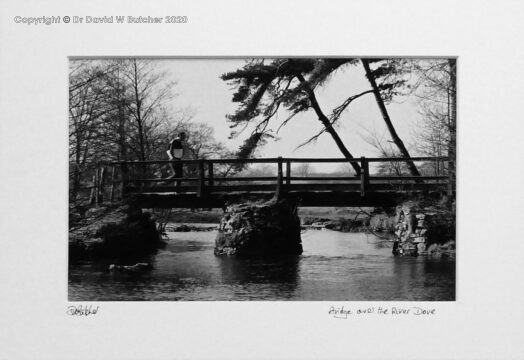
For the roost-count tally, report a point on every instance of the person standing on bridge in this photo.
(176, 152)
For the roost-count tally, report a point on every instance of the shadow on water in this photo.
(260, 279)
(418, 278)
(283, 270)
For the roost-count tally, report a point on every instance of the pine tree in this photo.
(263, 87)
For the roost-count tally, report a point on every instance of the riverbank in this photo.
(308, 215)
(349, 219)
(337, 219)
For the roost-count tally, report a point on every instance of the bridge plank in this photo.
(219, 200)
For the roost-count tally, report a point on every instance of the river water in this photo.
(334, 266)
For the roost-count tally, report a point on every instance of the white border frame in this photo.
(486, 321)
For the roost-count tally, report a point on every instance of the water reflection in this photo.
(285, 270)
(281, 274)
(334, 266)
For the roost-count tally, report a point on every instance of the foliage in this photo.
(264, 87)
(392, 77)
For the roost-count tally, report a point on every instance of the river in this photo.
(334, 266)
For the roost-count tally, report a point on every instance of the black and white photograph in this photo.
(262, 179)
(277, 179)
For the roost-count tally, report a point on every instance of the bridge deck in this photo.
(203, 189)
(219, 200)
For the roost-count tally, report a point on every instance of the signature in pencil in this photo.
(82, 310)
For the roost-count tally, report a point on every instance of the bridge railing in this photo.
(201, 176)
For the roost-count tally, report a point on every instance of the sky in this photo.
(200, 88)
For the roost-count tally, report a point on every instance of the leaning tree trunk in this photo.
(396, 139)
(327, 124)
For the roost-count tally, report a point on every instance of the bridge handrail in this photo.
(276, 160)
(298, 178)
(283, 177)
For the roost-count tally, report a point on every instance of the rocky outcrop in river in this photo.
(420, 231)
(113, 232)
(259, 229)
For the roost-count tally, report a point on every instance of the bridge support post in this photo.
(364, 176)
(451, 178)
(210, 180)
(124, 174)
(278, 193)
(201, 181)
(112, 194)
(288, 172)
(92, 193)
(101, 181)
(97, 186)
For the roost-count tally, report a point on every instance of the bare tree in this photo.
(436, 90)
(118, 110)
(386, 150)
(86, 113)
(303, 169)
(150, 90)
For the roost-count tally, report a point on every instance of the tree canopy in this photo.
(263, 87)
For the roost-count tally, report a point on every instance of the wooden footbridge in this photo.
(207, 183)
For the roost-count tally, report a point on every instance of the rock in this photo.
(187, 228)
(333, 225)
(182, 228)
(74, 217)
(382, 222)
(436, 251)
(138, 267)
(316, 221)
(396, 248)
(425, 231)
(259, 229)
(343, 225)
(450, 245)
(419, 239)
(114, 232)
(96, 211)
(409, 249)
